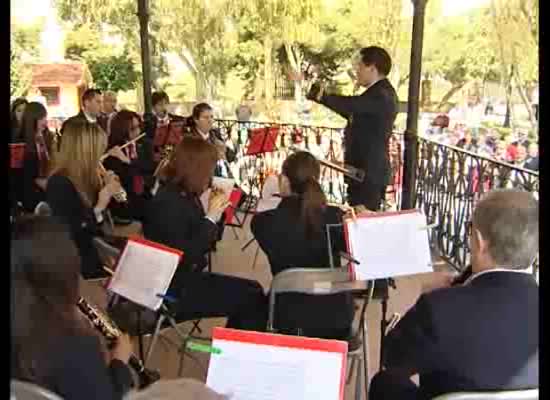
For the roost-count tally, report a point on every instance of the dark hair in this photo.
(34, 112)
(196, 113)
(45, 274)
(157, 97)
(192, 165)
(89, 94)
(378, 57)
(303, 171)
(120, 127)
(15, 126)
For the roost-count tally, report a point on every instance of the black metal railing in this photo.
(449, 180)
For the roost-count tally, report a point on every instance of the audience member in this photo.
(483, 335)
(78, 192)
(532, 161)
(294, 236)
(109, 110)
(52, 344)
(468, 143)
(521, 156)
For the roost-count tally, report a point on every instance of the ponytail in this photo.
(313, 204)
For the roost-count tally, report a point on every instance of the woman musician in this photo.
(79, 190)
(52, 345)
(294, 236)
(131, 159)
(176, 218)
(34, 133)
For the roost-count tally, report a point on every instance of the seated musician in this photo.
(482, 335)
(160, 115)
(16, 118)
(133, 165)
(52, 344)
(78, 193)
(175, 217)
(34, 132)
(201, 126)
(294, 236)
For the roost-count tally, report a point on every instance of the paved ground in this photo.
(229, 259)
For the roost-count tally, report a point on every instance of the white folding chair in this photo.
(28, 391)
(528, 394)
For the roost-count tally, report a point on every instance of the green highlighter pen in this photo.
(203, 348)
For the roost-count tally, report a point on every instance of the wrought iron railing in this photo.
(449, 180)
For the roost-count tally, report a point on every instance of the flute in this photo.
(104, 156)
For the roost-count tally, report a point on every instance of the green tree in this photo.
(19, 74)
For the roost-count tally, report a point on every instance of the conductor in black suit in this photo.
(370, 122)
(484, 334)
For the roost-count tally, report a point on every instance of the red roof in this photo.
(58, 74)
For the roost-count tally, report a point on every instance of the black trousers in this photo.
(386, 385)
(208, 295)
(366, 193)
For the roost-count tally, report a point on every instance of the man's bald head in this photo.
(509, 221)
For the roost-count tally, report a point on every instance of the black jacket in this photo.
(532, 163)
(77, 370)
(150, 122)
(178, 221)
(370, 116)
(283, 239)
(67, 205)
(474, 337)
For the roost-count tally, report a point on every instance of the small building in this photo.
(61, 85)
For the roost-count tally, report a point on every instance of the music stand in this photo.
(262, 140)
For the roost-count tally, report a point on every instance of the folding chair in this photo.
(528, 394)
(20, 390)
(322, 282)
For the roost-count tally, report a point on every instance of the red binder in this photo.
(262, 140)
(234, 199)
(161, 136)
(17, 155)
(175, 133)
(256, 354)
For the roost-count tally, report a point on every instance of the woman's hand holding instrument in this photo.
(217, 203)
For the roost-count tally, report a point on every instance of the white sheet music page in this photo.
(144, 271)
(262, 366)
(226, 185)
(389, 245)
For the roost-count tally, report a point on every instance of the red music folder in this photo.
(17, 155)
(175, 133)
(144, 271)
(161, 136)
(234, 199)
(262, 140)
(388, 244)
(262, 366)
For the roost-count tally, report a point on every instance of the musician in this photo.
(109, 110)
(370, 116)
(16, 117)
(160, 115)
(201, 125)
(484, 334)
(133, 165)
(78, 193)
(175, 217)
(294, 236)
(34, 132)
(52, 344)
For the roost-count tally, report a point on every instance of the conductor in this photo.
(370, 121)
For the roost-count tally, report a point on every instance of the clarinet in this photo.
(111, 332)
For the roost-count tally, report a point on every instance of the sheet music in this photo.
(143, 272)
(248, 371)
(225, 184)
(389, 246)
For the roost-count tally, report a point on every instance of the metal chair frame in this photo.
(325, 281)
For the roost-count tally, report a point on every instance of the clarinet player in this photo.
(370, 116)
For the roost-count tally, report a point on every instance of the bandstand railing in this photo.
(449, 180)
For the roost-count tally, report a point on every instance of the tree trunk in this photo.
(448, 96)
(268, 69)
(525, 99)
(509, 112)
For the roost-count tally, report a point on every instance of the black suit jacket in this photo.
(283, 239)
(150, 122)
(77, 370)
(370, 123)
(67, 205)
(178, 221)
(482, 336)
